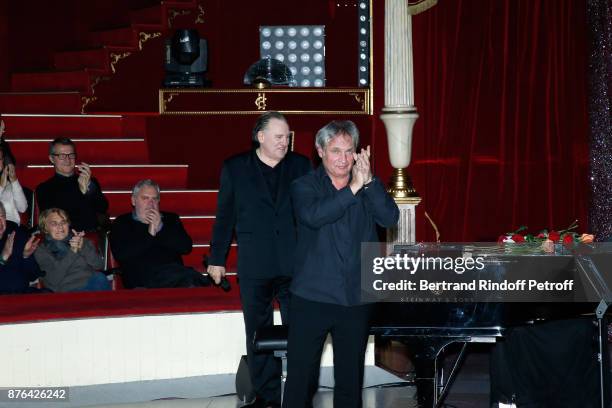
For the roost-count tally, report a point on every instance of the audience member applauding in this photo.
(148, 244)
(11, 193)
(77, 193)
(71, 262)
(17, 265)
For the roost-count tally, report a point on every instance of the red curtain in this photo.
(502, 138)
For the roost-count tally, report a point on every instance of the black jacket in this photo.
(265, 230)
(332, 225)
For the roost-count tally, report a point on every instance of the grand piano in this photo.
(428, 328)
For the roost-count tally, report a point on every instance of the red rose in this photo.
(554, 236)
(568, 239)
(501, 239)
(518, 238)
(541, 235)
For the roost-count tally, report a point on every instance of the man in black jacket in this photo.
(337, 208)
(254, 200)
(149, 243)
(79, 194)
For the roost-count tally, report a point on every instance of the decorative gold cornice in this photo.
(163, 101)
(167, 94)
(200, 17)
(172, 14)
(359, 99)
(420, 6)
(115, 58)
(86, 100)
(143, 37)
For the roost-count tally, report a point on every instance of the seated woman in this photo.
(71, 262)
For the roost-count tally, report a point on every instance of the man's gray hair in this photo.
(335, 128)
(144, 183)
(262, 123)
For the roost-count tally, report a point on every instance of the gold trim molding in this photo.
(115, 58)
(200, 17)
(143, 37)
(420, 6)
(261, 100)
(173, 14)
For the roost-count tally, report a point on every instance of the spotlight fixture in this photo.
(301, 48)
(186, 59)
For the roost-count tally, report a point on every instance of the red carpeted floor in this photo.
(40, 307)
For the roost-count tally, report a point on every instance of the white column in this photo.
(399, 77)
(400, 114)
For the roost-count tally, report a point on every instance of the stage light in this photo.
(302, 48)
(363, 61)
(186, 60)
(268, 71)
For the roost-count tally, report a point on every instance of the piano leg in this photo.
(424, 353)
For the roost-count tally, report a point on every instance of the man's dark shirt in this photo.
(63, 192)
(16, 275)
(332, 224)
(271, 175)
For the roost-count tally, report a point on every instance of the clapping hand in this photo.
(84, 177)
(76, 242)
(7, 251)
(31, 246)
(12, 174)
(361, 172)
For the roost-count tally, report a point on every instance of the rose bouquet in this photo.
(545, 240)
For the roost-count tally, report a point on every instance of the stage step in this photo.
(121, 37)
(40, 102)
(32, 126)
(148, 15)
(199, 228)
(98, 58)
(115, 176)
(91, 151)
(194, 259)
(183, 202)
(79, 80)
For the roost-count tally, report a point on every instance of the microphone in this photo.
(224, 284)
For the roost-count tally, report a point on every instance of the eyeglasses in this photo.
(65, 156)
(58, 224)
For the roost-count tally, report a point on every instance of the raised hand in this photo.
(31, 246)
(12, 174)
(365, 165)
(7, 251)
(84, 177)
(153, 218)
(4, 177)
(361, 172)
(76, 242)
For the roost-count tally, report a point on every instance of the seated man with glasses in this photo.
(72, 188)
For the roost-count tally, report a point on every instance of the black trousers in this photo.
(309, 324)
(257, 296)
